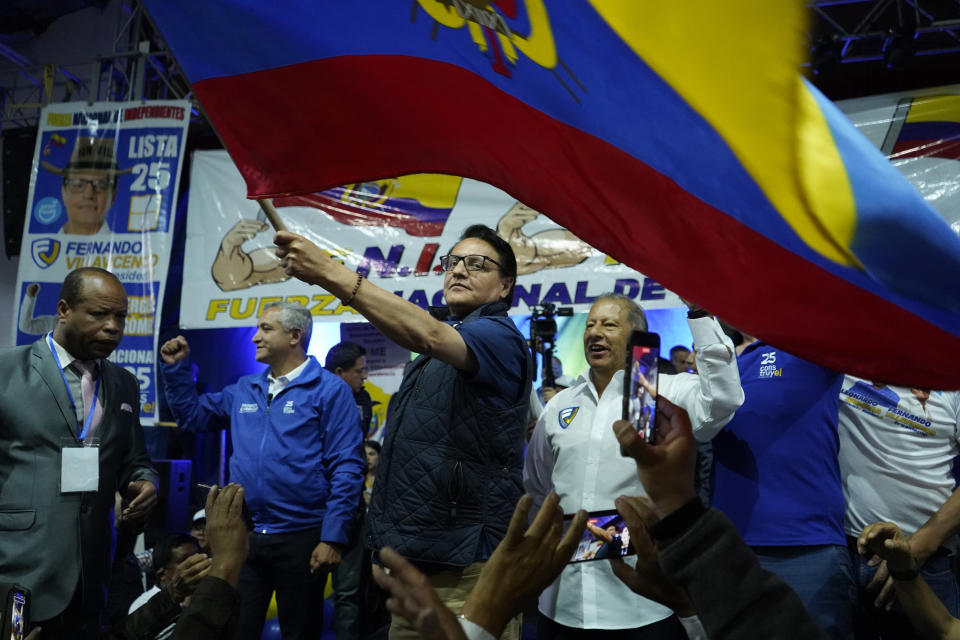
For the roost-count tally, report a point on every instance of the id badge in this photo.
(79, 466)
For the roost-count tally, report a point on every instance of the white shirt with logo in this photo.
(574, 452)
(896, 453)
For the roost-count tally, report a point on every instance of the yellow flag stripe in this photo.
(736, 64)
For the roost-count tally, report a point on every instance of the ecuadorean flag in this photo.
(678, 137)
(419, 204)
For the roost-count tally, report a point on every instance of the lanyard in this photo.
(96, 391)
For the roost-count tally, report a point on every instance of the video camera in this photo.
(543, 334)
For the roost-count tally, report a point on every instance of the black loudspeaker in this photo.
(172, 513)
(18, 147)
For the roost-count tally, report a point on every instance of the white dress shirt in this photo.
(574, 452)
(276, 385)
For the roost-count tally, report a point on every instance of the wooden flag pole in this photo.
(267, 205)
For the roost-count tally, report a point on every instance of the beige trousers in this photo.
(453, 586)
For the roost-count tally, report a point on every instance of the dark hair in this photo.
(677, 348)
(373, 444)
(71, 291)
(343, 355)
(163, 552)
(505, 256)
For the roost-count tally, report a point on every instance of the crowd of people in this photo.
(834, 512)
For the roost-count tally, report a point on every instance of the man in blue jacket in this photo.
(298, 454)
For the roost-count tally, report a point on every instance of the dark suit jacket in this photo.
(49, 540)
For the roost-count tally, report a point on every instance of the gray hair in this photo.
(293, 315)
(635, 315)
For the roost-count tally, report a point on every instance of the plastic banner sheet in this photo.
(920, 133)
(394, 231)
(103, 193)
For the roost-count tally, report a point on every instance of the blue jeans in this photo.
(822, 576)
(869, 622)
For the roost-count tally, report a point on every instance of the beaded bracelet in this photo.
(356, 288)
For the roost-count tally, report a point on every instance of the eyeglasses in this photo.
(77, 185)
(471, 263)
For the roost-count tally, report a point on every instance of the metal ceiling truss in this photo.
(891, 31)
(140, 67)
(851, 41)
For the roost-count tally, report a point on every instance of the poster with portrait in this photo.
(103, 192)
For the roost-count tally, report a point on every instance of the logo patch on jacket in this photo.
(288, 408)
(248, 407)
(567, 415)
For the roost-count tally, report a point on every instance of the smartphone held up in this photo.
(15, 611)
(640, 383)
(605, 537)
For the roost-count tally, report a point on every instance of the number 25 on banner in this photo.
(153, 177)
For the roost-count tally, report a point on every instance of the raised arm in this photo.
(713, 396)
(193, 411)
(700, 550)
(234, 268)
(27, 323)
(601, 534)
(401, 321)
(544, 250)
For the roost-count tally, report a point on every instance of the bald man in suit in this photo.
(66, 445)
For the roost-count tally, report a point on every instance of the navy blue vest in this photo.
(450, 473)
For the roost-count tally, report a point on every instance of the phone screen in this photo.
(605, 537)
(640, 388)
(18, 622)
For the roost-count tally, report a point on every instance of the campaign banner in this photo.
(103, 192)
(394, 231)
(919, 131)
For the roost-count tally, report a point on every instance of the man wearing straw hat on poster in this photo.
(89, 185)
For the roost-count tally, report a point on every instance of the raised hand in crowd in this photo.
(413, 597)
(211, 613)
(226, 532)
(925, 610)
(174, 350)
(700, 551)
(666, 466)
(186, 575)
(646, 578)
(522, 565)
